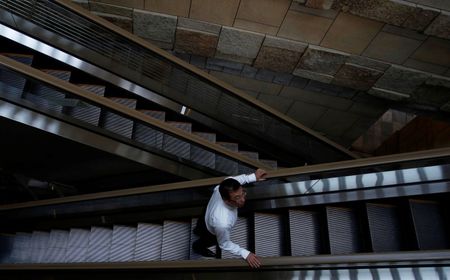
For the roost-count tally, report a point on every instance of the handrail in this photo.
(77, 91)
(319, 168)
(391, 259)
(230, 89)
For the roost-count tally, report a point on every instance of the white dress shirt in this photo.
(221, 217)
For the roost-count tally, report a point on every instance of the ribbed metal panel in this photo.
(200, 155)
(226, 165)
(11, 83)
(123, 244)
(6, 247)
(147, 135)
(176, 240)
(384, 227)
(239, 235)
(176, 146)
(77, 245)
(116, 123)
(39, 245)
(304, 230)
(57, 246)
(429, 225)
(343, 230)
(268, 235)
(148, 242)
(99, 244)
(243, 169)
(21, 248)
(194, 237)
(87, 112)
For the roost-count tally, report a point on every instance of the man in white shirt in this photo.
(221, 215)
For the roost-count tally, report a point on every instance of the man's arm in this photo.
(243, 179)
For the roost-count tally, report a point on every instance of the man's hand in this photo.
(260, 174)
(253, 261)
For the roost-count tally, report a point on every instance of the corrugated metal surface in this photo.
(147, 135)
(57, 246)
(239, 235)
(123, 244)
(87, 112)
(429, 225)
(77, 245)
(116, 123)
(148, 242)
(200, 155)
(384, 226)
(268, 235)
(304, 230)
(11, 83)
(39, 245)
(21, 248)
(99, 244)
(343, 230)
(176, 146)
(176, 240)
(226, 165)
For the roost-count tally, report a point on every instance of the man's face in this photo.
(237, 198)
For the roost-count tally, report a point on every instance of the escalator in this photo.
(389, 212)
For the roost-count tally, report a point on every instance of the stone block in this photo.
(154, 26)
(111, 9)
(420, 18)
(440, 27)
(424, 66)
(357, 77)
(319, 4)
(195, 42)
(313, 75)
(392, 12)
(435, 92)
(411, 79)
(238, 45)
(123, 22)
(369, 63)
(199, 25)
(321, 60)
(279, 55)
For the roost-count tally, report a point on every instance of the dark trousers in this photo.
(206, 239)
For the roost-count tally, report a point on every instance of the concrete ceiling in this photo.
(334, 66)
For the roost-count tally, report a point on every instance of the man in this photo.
(221, 215)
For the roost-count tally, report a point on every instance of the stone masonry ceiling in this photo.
(394, 51)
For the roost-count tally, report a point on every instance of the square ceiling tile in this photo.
(434, 50)
(173, 7)
(216, 11)
(269, 12)
(392, 48)
(138, 4)
(255, 27)
(351, 33)
(304, 27)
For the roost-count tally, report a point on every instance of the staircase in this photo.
(401, 224)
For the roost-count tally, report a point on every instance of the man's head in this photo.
(232, 193)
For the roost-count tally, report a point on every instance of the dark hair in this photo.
(227, 186)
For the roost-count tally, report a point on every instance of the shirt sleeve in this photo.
(223, 238)
(245, 179)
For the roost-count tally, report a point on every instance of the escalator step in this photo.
(86, 112)
(384, 227)
(268, 235)
(21, 248)
(148, 135)
(343, 230)
(176, 146)
(118, 124)
(176, 240)
(239, 235)
(77, 245)
(224, 164)
(304, 227)
(39, 245)
(123, 244)
(99, 244)
(429, 225)
(57, 246)
(242, 169)
(9, 81)
(148, 242)
(201, 156)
